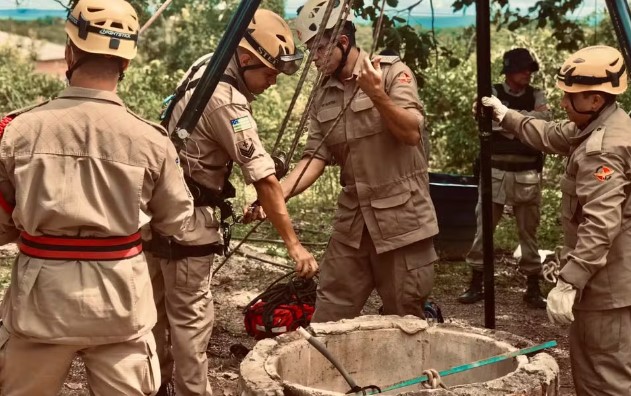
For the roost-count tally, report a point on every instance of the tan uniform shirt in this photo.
(226, 131)
(83, 166)
(385, 182)
(596, 209)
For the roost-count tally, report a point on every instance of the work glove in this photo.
(560, 302)
(499, 110)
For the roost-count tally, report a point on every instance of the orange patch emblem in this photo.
(405, 78)
(603, 173)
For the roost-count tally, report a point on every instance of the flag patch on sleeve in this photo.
(241, 124)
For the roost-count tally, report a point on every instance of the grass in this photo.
(5, 273)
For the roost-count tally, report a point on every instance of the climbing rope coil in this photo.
(552, 267)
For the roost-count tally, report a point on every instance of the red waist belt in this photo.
(83, 249)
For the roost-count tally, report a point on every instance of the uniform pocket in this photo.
(600, 330)
(193, 273)
(366, 118)
(4, 338)
(151, 373)
(326, 118)
(345, 214)
(395, 214)
(527, 189)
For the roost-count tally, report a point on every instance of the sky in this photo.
(441, 7)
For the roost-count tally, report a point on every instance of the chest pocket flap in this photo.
(326, 117)
(362, 103)
(328, 114)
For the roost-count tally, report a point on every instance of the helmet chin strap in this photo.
(345, 53)
(592, 113)
(242, 69)
(75, 65)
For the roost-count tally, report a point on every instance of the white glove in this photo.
(560, 302)
(499, 110)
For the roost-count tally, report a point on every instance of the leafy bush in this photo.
(20, 86)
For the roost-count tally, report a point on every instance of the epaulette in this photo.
(5, 120)
(594, 144)
(389, 59)
(159, 127)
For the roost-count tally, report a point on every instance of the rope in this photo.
(155, 16)
(303, 77)
(305, 114)
(376, 35)
(433, 380)
(552, 268)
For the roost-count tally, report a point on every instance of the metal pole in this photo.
(218, 62)
(484, 125)
(619, 12)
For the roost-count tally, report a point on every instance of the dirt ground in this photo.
(242, 279)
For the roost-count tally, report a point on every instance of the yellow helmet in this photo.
(311, 16)
(108, 27)
(598, 68)
(269, 38)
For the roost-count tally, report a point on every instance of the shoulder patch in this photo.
(389, 59)
(159, 127)
(594, 144)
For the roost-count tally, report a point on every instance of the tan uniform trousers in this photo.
(600, 351)
(403, 278)
(126, 368)
(185, 320)
(527, 217)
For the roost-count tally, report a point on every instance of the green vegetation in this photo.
(444, 65)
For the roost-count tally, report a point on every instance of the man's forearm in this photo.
(270, 195)
(401, 123)
(293, 184)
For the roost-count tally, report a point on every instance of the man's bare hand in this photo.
(370, 77)
(306, 265)
(253, 212)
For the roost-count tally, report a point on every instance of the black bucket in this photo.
(454, 197)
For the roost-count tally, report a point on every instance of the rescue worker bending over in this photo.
(385, 221)
(516, 171)
(594, 289)
(79, 176)
(226, 133)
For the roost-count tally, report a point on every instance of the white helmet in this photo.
(311, 15)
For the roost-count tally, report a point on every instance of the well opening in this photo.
(385, 350)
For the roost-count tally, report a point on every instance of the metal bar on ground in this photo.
(469, 366)
(483, 50)
(215, 69)
(621, 20)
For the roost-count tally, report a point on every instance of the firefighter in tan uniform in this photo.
(225, 134)
(385, 220)
(516, 171)
(79, 176)
(594, 287)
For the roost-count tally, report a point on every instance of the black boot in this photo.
(533, 295)
(475, 292)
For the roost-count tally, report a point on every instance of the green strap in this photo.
(469, 366)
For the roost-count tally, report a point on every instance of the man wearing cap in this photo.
(226, 134)
(79, 176)
(594, 287)
(385, 221)
(516, 171)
